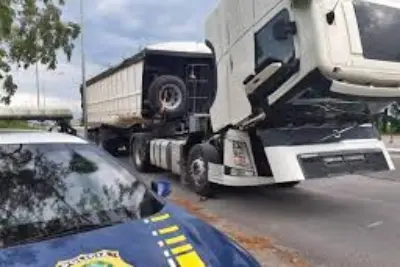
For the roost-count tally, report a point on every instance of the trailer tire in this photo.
(139, 153)
(169, 93)
(199, 157)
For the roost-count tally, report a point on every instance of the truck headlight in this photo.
(241, 155)
(240, 172)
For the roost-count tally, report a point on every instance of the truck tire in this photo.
(111, 146)
(139, 153)
(168, 94)
(103, 142)
(199, 157)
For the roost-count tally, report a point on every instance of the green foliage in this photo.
(32, 31)
(385, 128)
(17, 124)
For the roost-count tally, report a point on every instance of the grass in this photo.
(15, 124)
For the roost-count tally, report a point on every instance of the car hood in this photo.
(172, 237)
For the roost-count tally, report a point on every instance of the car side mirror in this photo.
(161, 188)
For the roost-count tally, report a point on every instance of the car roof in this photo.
(9, 136)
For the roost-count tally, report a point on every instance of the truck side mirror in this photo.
(282, 29)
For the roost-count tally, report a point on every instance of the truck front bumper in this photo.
(289, 163)
(298, 163)
(216, 175)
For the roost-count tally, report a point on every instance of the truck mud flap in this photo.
(317, 165)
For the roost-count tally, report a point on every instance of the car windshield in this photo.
(50, 189)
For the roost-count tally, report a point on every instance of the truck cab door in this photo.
(276, 49)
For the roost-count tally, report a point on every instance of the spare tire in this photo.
(168, 95)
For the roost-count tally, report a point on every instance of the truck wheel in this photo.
(199, 157)
(140, 153)
(104, 143)
(168, 94)
(112, 147)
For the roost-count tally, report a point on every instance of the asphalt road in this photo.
(347, 221)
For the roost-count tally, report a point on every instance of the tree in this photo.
(32, 31)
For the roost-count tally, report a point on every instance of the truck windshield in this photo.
(379, 27)
(48, 190)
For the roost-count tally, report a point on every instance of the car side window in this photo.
(269, 47)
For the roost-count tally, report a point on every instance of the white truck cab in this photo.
(297, 80)
(349, 47)
(357, 45)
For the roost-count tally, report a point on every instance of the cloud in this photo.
(58, 88)
(114, 30)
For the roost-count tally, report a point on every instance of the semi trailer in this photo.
(280, 91)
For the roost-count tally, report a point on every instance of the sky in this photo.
(114, 30)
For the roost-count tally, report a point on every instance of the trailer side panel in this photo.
(117, 96)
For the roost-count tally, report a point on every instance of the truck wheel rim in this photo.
(170, 97)
(198, 171)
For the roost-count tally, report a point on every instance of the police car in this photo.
(65, 202)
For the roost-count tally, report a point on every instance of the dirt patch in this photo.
(195, 210)
(250, 242)
(263, 248)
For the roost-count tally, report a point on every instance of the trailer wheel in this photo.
(199, 157)
(168, 94)
(140, 153)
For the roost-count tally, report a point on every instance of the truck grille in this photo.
(319, 165)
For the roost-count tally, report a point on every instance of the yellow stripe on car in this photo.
(191, 259)
(181, 249)
(160, 218)
(175, 240)
(168, 230)
(176, 249)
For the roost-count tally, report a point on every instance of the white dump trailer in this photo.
(156, 87)
(291, 94)
(128, 90)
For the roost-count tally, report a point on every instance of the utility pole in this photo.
(84, 103)
(37, 85)
(44, 96)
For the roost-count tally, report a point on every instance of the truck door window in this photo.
(270, 49)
